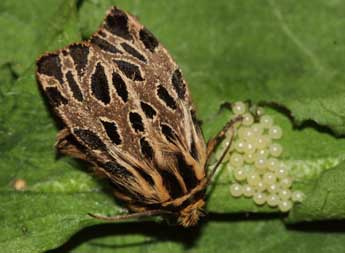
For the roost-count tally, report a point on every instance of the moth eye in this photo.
(79, 55)
(117, 23)
(50, 65)
(132, 51)
(90, 139)
(104, 45)
(74, 86)
(130, 70)
(99, 85)
(148, 39)
(55, 97)
(146, 148)
(148, 110)
(164, 95)
(136, 121)
(178, 84)
(117, 169)
(111, 130)
(120, 87)
(167, 131)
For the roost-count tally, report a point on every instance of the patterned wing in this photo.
(125, 101)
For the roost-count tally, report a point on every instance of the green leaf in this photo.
(31, 27)
(286, 54)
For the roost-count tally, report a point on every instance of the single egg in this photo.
(286, 182)
(275, 149)
(275, 132)
(269, 178)
(297, 196)
(247, 119)
(236, 190)
(266, 121)
(236, 160)
(248, 190)
(253, 178)
(284, 194)
(259, 198)
(272, 200)
(285, 205)
(239, 174)
(239, 108)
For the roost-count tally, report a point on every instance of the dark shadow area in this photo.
(240, 217)
(79, 4)
(156, 231)
(160, 232)
(300, 125)
(9, 67)
(13, 73)
(329, 226)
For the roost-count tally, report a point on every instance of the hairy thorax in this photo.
(190, 215)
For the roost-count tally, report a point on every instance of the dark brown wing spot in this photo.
(197, 123)
(178, 84)
(104, 45)
(187, 172)
(168, 132)
(193, 151)
(148, 39)
(79, 53)
(74, 87)
(164, 95)
(99, 85)
(146, 176)
(111, 130)
(148, 110)
(117, 23)
(90, 139)
(102, 33)
(130, 70)
(50, 65)
(171, 184)
(146, 148)
(132, 51)
(54, 96)
(136, 121)
(120, 86)
(117, 170)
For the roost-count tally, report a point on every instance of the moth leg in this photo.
(131, 215)
(214, 142)
(68, 145)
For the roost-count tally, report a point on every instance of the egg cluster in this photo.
(254, 161)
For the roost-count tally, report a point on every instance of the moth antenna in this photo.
(228, 127)
(131, 216)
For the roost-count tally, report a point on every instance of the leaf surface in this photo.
(287, 55)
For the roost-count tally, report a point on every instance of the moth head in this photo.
(189, 216)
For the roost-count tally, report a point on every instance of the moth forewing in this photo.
(127, 110)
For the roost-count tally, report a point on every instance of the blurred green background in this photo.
(287, 55)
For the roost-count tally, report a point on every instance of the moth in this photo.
(127, 110)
